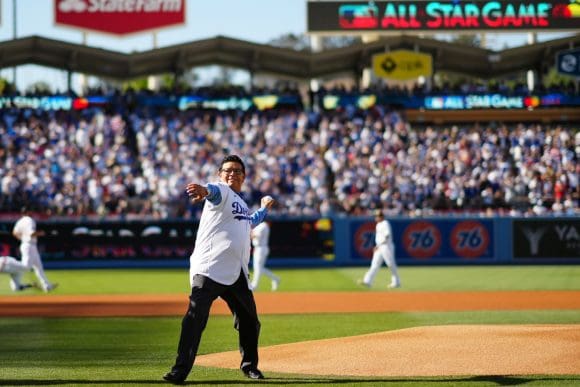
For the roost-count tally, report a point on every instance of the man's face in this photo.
(233, 175)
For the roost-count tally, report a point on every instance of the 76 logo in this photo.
(469, 239)
(422, 239)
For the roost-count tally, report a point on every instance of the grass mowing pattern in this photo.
(439, 278)
(137, 351)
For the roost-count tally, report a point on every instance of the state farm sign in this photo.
(119, 17)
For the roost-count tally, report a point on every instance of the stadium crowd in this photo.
(315, 163)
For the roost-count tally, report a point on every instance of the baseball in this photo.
(267, 201)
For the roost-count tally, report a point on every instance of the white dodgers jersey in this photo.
(222, 245)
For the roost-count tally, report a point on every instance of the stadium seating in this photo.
(131, 162)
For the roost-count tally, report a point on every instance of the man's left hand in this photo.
(267, 201)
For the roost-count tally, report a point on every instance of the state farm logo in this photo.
(120, 5)
(119, 16)
(72, 6)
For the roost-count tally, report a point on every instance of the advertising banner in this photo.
(331, 102)
(424, 16)
(58, 102)
(402, 65)
(452, 102)
(54, 102)
(302, 239)
(430, 241)
(327, 102)
(119, 17)
(137, 241)
(259, 102)
(499, 101)
(542, 239)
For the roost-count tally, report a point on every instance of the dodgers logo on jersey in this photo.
(240, 211)
(469, 239)
(422, 239)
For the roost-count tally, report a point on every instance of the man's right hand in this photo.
(196, 192)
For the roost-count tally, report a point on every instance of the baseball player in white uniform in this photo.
(384, 251)
(219, 268)
(260, 238)
(15, 269)
(25, 231)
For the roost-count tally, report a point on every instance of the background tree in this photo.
(6, 87)
(301, 42)
(39, 88)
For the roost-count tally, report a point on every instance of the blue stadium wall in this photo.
(304, 242)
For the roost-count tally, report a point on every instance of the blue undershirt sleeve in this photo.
(215, 195)
(258, 217)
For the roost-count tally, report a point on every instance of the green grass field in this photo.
(138, 351)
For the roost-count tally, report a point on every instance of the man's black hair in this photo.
(234, 159)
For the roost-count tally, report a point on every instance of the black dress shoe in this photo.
(23, 287)
(253, 373)
(174, 377)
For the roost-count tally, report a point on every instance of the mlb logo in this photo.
(358, 16)
(568, 62)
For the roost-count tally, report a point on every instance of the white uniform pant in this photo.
(383, 253)
(31, 259)
(15, 269)
(259, 265)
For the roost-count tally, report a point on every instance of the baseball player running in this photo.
(260, 237)
(15, 269)
(383, 251)
(25, 231)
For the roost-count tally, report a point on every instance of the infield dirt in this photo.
(290, 303)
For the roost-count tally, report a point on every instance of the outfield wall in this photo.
(302, 242)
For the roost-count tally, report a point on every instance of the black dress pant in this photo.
(239, 299)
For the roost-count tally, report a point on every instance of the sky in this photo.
(257, 21)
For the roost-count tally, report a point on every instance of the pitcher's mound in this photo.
(426, 351)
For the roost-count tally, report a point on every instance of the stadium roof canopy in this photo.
(260, 58)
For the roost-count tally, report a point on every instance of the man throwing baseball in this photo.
(219, 268)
